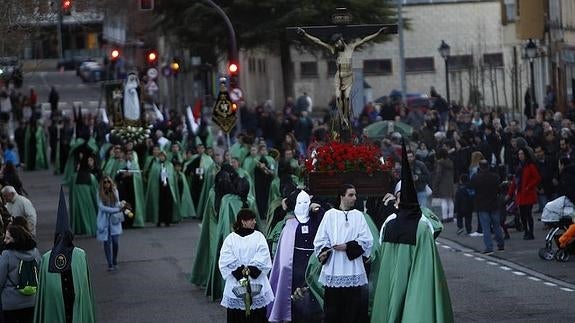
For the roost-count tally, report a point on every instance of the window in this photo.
(460, 62)
(419, 64)
(251, 65)
(377, 67)
(510, 11)
(493, 60)
(308, 69)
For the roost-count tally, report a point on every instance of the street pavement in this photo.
(517, 250)
(151, 284)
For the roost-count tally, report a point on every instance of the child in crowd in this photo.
(463, 204)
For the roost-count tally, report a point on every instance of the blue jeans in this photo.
(489, 221)
(541, 201)
(111, 253)
(422, 198)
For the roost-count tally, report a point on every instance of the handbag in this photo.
(117, 218)
(511, 206)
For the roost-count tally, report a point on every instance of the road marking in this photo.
(506, 266)
(446, 247)
(518, 273)
(549, 284)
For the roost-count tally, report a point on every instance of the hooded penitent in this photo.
(404, 228)
(61, 256)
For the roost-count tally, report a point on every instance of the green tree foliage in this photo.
(258, 23)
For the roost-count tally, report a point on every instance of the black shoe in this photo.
(487, 252)
(506, 237)
(500, 248)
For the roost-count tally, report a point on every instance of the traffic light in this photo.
(233, 71)
(114, 54)
(152, 58)
(146, 4)
(175, 66)
(66, 7)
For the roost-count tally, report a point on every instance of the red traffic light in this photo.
(152, 56)
(233, 68)
(115, 53)
(67, 7)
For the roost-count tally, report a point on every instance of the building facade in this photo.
(480, 64)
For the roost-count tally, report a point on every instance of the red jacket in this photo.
(526, 194)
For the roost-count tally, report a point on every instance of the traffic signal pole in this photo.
(59, 26)
(233, 48)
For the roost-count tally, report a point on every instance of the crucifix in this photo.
(345, 39)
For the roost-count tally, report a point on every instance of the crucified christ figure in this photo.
(344, 76)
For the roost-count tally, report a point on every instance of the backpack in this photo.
(27, 277)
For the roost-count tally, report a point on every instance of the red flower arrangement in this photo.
(337, 157)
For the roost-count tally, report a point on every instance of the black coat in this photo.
(485, 183)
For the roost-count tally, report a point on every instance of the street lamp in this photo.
(531, 53)
(445, 51)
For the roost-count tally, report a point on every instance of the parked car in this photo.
(11, 70)
(91, 71)
(73, 63)
(413, 100)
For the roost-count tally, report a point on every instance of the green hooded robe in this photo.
(414, 288)
(184, 197)
(139, 197)
(153, 192)
(210, 170)
(40, 158)
(84, 206)
(230, 205)
(49, 301)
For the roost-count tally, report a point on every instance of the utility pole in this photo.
(401, 53)
(59, 27)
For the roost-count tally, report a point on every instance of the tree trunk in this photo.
(287, 66)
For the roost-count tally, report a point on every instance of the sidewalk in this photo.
(517, 250)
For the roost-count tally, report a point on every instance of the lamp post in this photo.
(531, 53)
(445, 51)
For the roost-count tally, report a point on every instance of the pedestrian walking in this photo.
(524, 186)
(109, 220)
(443, 184)
(53, 98)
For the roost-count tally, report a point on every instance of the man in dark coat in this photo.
(485, 184)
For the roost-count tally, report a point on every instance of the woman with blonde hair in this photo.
(476, 157)
(109, 220)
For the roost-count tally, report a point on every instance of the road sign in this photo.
(166, 71)
(152, 73)
(236, 95)
(152, 87)
(224, 114)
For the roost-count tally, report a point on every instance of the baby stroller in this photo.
(557, 215)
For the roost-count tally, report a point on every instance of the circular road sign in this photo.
(152, 73)
(236, 95)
